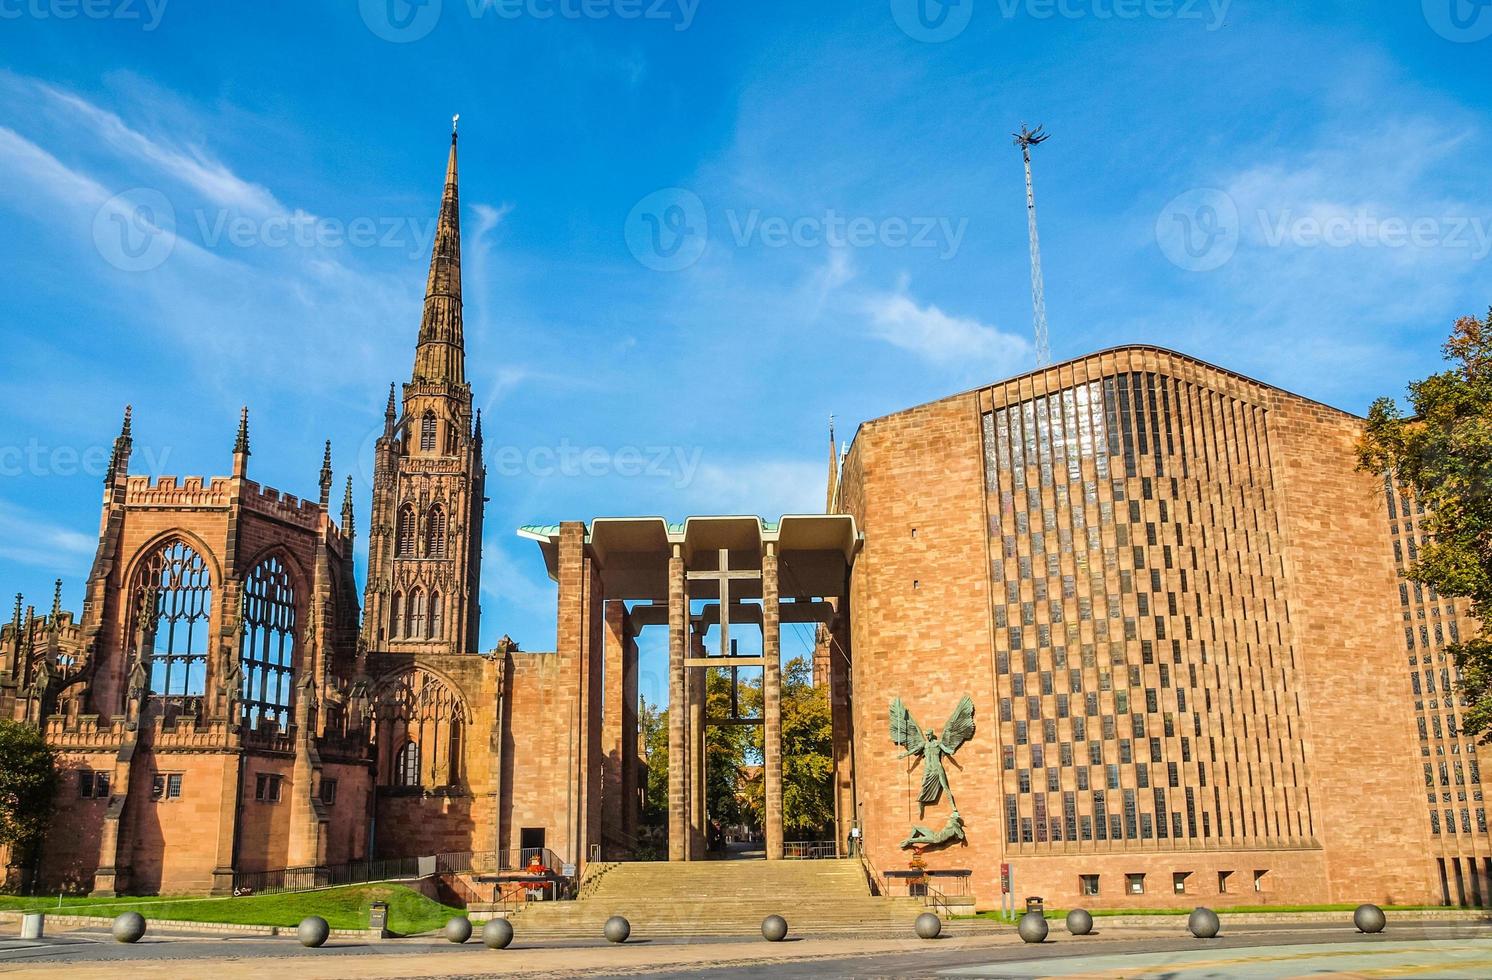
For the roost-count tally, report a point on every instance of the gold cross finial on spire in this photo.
(454, 120)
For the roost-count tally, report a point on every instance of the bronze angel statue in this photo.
(932, 747)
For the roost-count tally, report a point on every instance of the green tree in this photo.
(28, 782)
(807, 755)
(654, 723)
(1441, 451)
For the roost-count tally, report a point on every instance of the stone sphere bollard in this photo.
(128, 927)
(458, 930)
(1204, 924)
(1079, 922)
(617, 929)
(1369, 919)
(313, 931)
(928, 926)
(497, 934)
(774, 928)
(1033, 927)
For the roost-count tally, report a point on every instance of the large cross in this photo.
(723, 578)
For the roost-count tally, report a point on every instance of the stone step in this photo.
(663, 899)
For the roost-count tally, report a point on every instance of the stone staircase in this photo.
(721, 898)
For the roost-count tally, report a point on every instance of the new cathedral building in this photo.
(1197, 673)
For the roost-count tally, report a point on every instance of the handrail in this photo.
(877, 883)
(936, 900)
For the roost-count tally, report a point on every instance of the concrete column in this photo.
(772, 702)
(843, 723)
(613, 733)
(678, 711)
(698, 810)
(631, 733)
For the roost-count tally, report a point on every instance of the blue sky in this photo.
(694, 229)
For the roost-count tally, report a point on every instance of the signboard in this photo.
(1004, 879)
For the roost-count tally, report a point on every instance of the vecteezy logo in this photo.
(1199, 230)
(932, 20)
(1462, 21)
(135, 231)
(400, 21)
(668, 230)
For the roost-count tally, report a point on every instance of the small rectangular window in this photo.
(165, 786)
(1088, 885)
(329, 791)
(1222, 881)
(1178, 881)
(1259, 880)
(267, 787)
(1134, 884)
(93, 785)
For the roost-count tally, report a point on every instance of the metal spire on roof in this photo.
(1026, 139)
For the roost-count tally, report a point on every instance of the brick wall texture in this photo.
(1176, 605)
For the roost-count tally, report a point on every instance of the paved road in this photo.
(1437, 950)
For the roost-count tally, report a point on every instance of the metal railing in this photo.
(872, 876)
(310, 879)
(810, 850)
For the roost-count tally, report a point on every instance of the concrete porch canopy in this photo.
(814, 552)
(697, 579)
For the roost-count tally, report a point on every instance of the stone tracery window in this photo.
(420, 720)
(427, 433)
(396, 616)
(435, 533)
(405, 535)
(267, 649)
(174, 591)
(437, 617)
(407, 767)
(414, 625)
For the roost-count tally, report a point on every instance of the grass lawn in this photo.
(342, 908)
(1242, 909)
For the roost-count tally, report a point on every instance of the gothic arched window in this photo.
(437, 617)
(407, 766)
(396, 616)
(405, 535)
(174, 591)
(267, 650)
(419, 730)
(416, 622)
(435, 532)
(427, 433)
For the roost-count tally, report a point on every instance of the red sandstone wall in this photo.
(174, 844)
(1364, 762)
(920, 626)
(70, 851)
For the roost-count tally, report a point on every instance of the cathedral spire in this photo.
(441, 354)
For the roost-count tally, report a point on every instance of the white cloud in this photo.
(942, 338)
(29, 539)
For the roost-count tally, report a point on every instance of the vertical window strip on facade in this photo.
(1198, 531)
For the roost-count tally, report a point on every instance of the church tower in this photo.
(425, 545)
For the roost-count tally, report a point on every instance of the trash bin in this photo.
(378, 918)
(1035, 903)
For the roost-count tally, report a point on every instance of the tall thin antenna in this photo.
(1026, 139)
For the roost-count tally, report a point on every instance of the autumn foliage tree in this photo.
(1441, 452)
